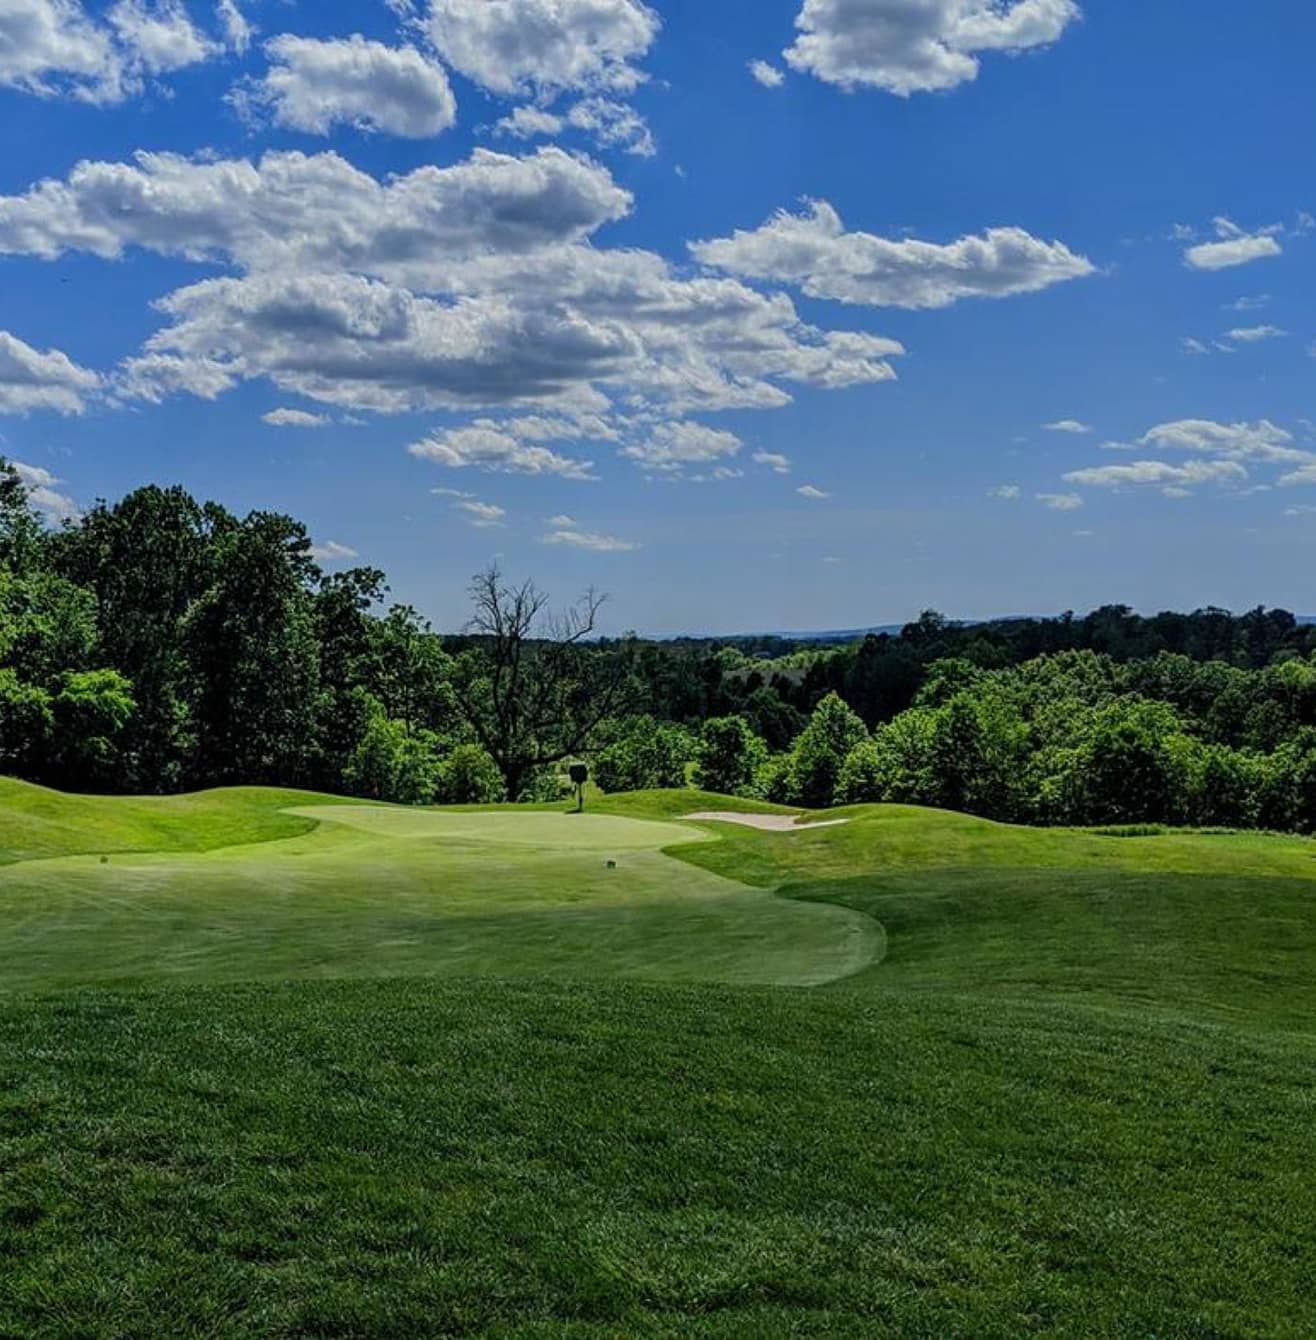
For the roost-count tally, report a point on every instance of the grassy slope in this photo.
(373, 891)
(1074, 1099)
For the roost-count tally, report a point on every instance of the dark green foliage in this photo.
(833, 732)
(729, 757)
(643, 755)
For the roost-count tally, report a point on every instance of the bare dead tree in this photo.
(536, 686)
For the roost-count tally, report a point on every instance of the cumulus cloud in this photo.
(767, 75)
(520, 47)
(1222, 453)
(609, 123)
(238, 32)
(32, 380)
(1006, 493)
(1061, 502)
(473, 287)
(481, 515)
(815, 251)
(774, 460)
(1075, 426)
(43, 494)
(1254, 334)
(812, 492)
(671, 447)
(1158, 472)
(599, 544)
(295, 212)
(528, 123)
(315, 85)
(332, 552)
(486, 445)
(1234, 247)
(917, 46)
(1263, 440)
(294, 418)
(55, 48)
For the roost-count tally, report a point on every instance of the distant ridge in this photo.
(891, 629)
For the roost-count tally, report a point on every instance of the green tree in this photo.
(820, 752)
(646, 755)
(729, 757)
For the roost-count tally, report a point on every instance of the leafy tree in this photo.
(90, 713)
(729, 757)
(820, 752)
(646, 755)
(252, 652)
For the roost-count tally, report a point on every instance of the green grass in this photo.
(276, 1068)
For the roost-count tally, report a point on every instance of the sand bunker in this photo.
(769, 823)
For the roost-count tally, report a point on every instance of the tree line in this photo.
(162, 644)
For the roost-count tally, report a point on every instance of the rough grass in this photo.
(382, 1073)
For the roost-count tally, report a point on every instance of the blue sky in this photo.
(576, 284)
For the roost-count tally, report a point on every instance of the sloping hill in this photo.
(1044, 1083)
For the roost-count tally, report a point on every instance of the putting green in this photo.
(374, 891)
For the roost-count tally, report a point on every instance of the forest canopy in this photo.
(161, 644)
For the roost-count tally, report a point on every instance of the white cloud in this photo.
(1068, 426)
(471, 287)
(332, 552)
(238, 32)
(1193, 346)
(294, 212)
(1300, 511)
(615, 125)
(599, 544)
(1158, 472)
(563, 522)
(609, 123)
(31, 380)
(774, 460)
(671, 447)
(315, 85)
(527, 123)
(43, 495)
(482, 515)
(519, 47)
(154, 377)
(55, 48)
(1234, 247)
(814, 251)
(1305, 475)
(1254, 334)
(486, 445)
(1262, 440)
(1253, 304)
(294, 418)
(917, 46)
(767, 75)
(1061, 502)
(1006, 493)
(812, 492)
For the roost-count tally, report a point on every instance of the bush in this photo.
(468, 776)
(645, 756)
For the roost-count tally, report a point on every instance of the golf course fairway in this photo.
(273, 1064)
